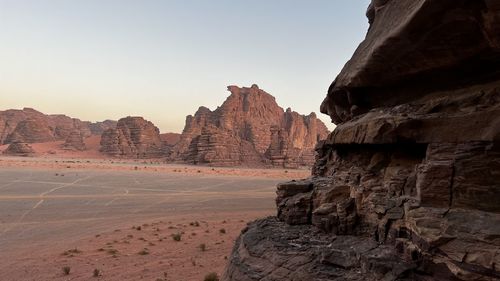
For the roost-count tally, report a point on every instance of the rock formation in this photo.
(74, 142)
(98, 128)
(170, 139)
(31, 126)
(407, 187)
(133, 137)
(249, 129)
(19, 149)
(31, 130)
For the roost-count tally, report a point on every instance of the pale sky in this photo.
(107, 59)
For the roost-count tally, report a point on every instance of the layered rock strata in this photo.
(249, 129)
(74, 141)
(407, 187)
(133, 137)
(31, 126)
(19, 149)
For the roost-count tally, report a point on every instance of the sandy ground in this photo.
(86, 214)
(50, 155)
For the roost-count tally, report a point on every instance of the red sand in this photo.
(120, 252)
(146, 254)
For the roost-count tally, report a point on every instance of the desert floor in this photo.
(119, 219)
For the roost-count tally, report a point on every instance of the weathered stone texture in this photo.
(407, 187)
(74, 141)
(19, 149)
(133, 137)
(31, 126)
(249, 129)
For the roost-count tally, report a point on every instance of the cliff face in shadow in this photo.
(407, 187)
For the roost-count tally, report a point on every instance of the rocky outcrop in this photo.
(98, 128)
(74, 141)
(31, 126)
(133, 137)
(170, 139)
(407, 187)
(31, 130)
(249, 129)
(19, 149)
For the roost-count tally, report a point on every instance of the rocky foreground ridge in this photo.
(249, 128)
(407, 187)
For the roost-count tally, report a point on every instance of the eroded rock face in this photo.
(31, 126)
(19, 149)
(412, 170)
(31, 130)
(133, 137)
(98, 128)
(74, 141)
(249, 129)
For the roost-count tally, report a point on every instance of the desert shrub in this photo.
(112, 251)
(202, 247)
(96, 273)
(144, 252)
(212, 276)
(177, 236)
(66, 270)
(222, 230)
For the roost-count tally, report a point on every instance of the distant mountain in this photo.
(31, 126)
(170, 138)
(249, 128)
(134, 137)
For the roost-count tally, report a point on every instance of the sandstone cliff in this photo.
(31, 126)
(133, 137)
(407, 187)
(249, 128)
(19, 149)
(74, 142)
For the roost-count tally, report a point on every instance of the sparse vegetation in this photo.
(144, 252)
(212, 276)
(96, 273)
(177, 236)
(71, 252)
(66, 270)
(112, 251)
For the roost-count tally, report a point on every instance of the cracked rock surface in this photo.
(407, 186)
